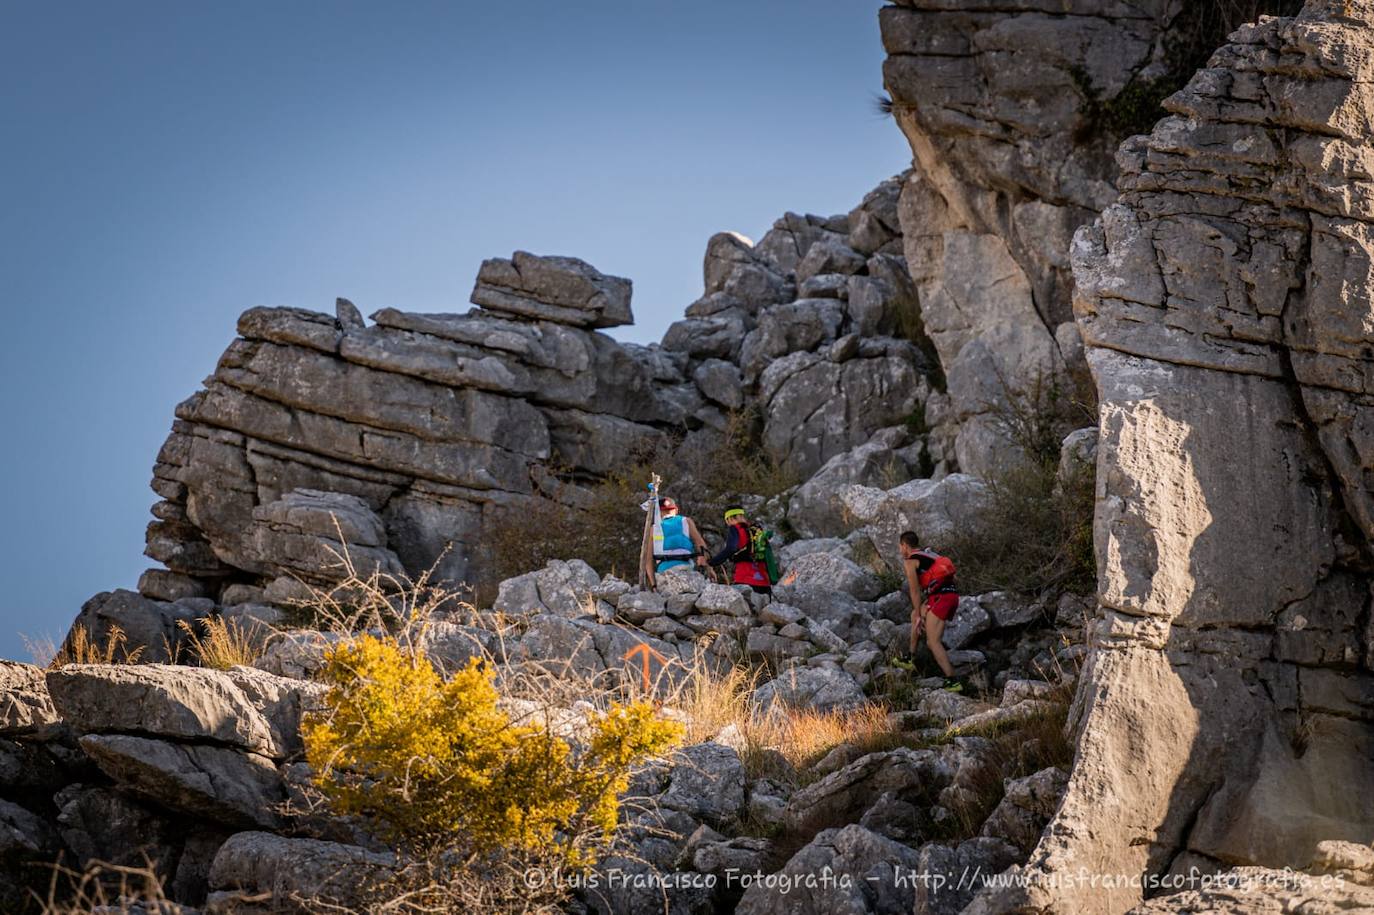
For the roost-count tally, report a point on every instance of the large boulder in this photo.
(716, 598)
(562, 587)
(830, 256)
(854, 871)
(318, 536)
(934, 509)
(815, 408)
(707, 783)
(718, 336)
(598, 442)
(180, 703)
(258, 868)
(1003, 108)
(25, 706)
(229, 786)
(835, 571)
(819, 688)
(816, 509)
(720, 382)
(564, 290)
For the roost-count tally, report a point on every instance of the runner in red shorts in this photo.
(930, 582)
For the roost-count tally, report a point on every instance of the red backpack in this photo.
(939, 577)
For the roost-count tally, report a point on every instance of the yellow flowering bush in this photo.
(438, 764)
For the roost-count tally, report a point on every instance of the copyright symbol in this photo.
(535, 878)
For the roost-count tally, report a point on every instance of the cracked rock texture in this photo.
(1224, 721)
(1010, 108)
(394, 441)
(1227, 711)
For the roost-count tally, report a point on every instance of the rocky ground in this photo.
(1195, 736)
(196, 767)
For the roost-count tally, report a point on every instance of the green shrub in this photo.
(1034, 536)
(1198, 30)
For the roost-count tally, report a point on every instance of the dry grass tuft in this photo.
(783, 742)
(107, 888)
(802, 737)
(222, 644)
(394, 604)
(1017, 750)
(710, 701)
(80, 648)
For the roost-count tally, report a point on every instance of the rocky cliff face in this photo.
(1226, 716)
(397, 438)
(1219, 275)
(993, 99)
(1013, 111)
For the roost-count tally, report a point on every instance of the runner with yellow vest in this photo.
(751, 567)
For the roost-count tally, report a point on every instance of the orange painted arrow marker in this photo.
(644, 652)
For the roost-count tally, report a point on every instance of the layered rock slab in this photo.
(1223, 308)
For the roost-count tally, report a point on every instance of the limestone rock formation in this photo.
(1225, 303)
(1223, 722)
(323, 438)
(564, 290)
(1007, 108)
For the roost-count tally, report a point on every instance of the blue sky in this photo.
(167, 165)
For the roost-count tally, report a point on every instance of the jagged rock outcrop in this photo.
(1225, 712)
(1013, 111)
(564, 290)
(319, 437)
(202, 769)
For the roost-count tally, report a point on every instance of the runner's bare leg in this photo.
(935, 628)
